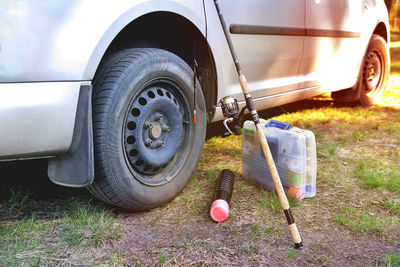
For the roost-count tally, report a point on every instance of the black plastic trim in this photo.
(331, 33)
(287, 31)
(265, 30)
(76, 167)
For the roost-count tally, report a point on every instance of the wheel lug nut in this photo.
(148, 125)
(160, 143)
(166, 128)
(148, 142)
(159, 116)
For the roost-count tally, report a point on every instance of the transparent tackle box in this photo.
(294, 154)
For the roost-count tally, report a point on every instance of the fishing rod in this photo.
(230, 109)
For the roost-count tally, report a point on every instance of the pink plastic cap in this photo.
(219, 210)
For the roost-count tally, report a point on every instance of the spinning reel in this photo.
(230, 109)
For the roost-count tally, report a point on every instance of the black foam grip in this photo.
(249, 103)
(289, 216)
(224, 187)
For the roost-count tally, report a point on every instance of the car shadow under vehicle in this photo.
(30, 176)
(26, 190)
(217, 129)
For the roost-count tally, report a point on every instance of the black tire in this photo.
(373, 77)
(145, 140)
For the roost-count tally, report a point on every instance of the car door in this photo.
(332, 44)
(268, 38)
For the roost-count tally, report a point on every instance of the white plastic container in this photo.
(311, 171)
(294, 155)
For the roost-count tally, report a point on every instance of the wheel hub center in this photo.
(373, 71)
(155, 131)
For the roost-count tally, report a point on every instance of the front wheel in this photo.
(373, 77)
(147, 144)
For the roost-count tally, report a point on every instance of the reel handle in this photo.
(236, 128)
(229, 132)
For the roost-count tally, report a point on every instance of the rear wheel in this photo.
(146, 143)
(373, 77)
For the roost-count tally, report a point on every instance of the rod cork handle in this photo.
(279, 188)
(294, 232)
(243, 84)
(274, 172)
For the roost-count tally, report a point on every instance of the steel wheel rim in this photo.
(373, 72)
(156, 131)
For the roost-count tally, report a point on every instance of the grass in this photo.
(117, 259)
(328, 149)
(359, 136)
(212, 174)
(365, 221)
(20, 239)
(16, 201)
(392, 260)
(393, 205)
(86, 225)
(374, 174)
(358, 199)
(270, 200)
(292, 253)
(25, 233)
(163, 259)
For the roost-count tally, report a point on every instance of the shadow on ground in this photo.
(217, 129)
(31, 175)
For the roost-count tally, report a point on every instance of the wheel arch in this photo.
(354, 93)
(172, 32)
(382, 30)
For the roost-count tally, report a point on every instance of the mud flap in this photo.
(76, 167)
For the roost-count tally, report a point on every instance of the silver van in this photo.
(117, 94)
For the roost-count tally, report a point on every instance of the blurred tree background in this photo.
(394, 14)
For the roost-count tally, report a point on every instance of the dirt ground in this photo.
(354, 220)
(182, 232)
(256, 233)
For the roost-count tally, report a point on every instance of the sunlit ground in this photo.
(391, 96)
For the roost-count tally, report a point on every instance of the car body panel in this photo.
(328, 63)
(37, 119)
(48, 49)
(325, 59)
(271, 62)
(65, 40)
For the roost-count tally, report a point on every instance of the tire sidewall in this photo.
(161, 64)
(379, 44)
